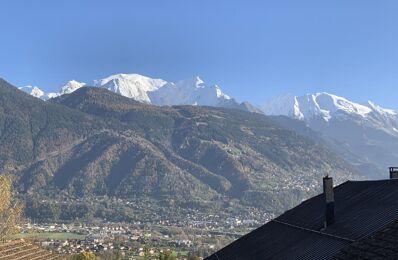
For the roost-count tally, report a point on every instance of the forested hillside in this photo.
(90, 147)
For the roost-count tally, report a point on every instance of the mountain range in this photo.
(72, 154)
(365, 134)
(159, 92)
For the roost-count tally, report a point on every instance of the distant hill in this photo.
(95, 143)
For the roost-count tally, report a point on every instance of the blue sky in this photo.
(253, 49)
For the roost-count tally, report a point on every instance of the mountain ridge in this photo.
(193, 91)
(366, 133)
(321, 103)
(94, 144)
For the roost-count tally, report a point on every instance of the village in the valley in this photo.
(197, 234)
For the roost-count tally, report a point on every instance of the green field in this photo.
(49, 235)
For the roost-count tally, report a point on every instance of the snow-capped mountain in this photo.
(327, 106)
(37, 92)
(319, 104)
(71, 86)
(188, 92)
(131, 85)
(193, 91)
(65, 89)
(162, 93)
(366, 134)
(32, 90)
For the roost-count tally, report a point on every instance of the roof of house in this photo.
(21, 250)
(380, 245)
(361, 209)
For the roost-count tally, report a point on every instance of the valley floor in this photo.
(134, 241)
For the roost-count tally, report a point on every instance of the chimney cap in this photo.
(393, 172)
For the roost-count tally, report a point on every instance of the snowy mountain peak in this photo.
(380, 110)
(191, 83)
(32, 90)
(310, 105)
(131, 85)
(196, 83)
(198, 80)
(192, 91)
(364, 134)
(71, 86)
(333, 103)
(219, 92)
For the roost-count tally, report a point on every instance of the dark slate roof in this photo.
(361, 209)
(380, 245)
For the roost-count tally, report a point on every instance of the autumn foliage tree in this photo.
(84, 256)
(10, 210)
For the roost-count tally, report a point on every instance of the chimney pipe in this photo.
(393, 172)
(329, 200)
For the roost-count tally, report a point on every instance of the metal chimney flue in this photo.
(393, 172)
(329, 200)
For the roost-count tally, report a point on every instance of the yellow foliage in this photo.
(85, 256)
(10, 212)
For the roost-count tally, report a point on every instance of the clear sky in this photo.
(253, 49)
